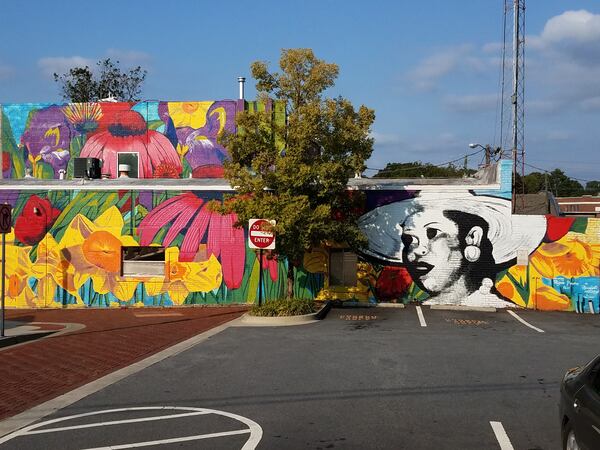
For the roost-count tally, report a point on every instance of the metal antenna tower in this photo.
(518, 95)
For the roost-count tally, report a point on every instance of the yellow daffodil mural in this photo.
(181, 278)
(52, 269)
(17, 274)
(94, 250)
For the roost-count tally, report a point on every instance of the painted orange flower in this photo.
(94, 250)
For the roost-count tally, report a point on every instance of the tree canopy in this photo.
(296, 171)
(82, 84)
(418, 169)
(556, 181)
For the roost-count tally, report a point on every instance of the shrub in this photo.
(284, 307)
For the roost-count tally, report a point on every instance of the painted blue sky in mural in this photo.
(430, 69)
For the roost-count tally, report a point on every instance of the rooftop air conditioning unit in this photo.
(86, 168)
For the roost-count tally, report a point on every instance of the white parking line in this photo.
(172, 441)
(253, 429)
(117, 422)
(501, 435)
(421, 317)
(514, 314)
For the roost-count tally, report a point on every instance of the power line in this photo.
(462, 157)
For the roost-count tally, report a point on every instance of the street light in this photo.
(488, 151)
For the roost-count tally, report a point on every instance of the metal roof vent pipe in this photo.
(241, 81)
(124, 170)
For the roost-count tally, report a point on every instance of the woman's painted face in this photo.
(432, 252)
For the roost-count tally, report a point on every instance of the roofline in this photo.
(110, 185)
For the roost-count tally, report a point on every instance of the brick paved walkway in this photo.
(35, 372)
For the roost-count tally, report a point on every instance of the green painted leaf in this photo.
(252, 293)
(579, 225)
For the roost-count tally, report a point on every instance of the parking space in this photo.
(361, 378)
(137, 427)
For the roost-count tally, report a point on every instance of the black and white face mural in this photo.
(452, 244)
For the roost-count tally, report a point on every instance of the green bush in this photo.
(284, 307)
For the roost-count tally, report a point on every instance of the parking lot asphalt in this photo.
(359, 379)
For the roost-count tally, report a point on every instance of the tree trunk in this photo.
(290, 280)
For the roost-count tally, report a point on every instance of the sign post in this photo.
(261, 237)
(5, 222)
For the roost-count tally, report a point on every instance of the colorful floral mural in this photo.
(66, 250)
(172, 139)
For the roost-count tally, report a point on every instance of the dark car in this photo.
(580, 407)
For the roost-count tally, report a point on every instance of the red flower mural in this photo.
(187, 213)
(35, 220)
(127, 132)
(5, 161)
(393, 282)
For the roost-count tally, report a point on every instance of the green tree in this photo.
(418, 169)
(81, 84)
(592, 187)
(563, 186)
(296, 171)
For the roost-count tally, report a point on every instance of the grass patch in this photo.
(284, 307)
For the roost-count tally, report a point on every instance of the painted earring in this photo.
(472, 253)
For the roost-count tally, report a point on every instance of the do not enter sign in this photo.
(260, 235)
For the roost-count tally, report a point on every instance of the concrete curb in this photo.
(464, 308)
(13, 341)
(391, 305)
(346, 304)
(258, 321)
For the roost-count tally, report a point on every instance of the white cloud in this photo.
(572, 26)
(471, 103)
(492, 47)
(386, 139)
(128, 57)
(61, 64)
(543, 106)
(558, 135)
(6, 71)
(591, 104)
(430, 70)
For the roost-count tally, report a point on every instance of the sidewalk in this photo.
(88, 344)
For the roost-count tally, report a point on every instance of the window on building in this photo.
(143, 261)
(132, 160)
(342, 267)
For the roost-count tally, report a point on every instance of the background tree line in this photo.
(556, 181)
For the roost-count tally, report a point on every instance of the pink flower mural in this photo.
(188, 214)
(127, 132)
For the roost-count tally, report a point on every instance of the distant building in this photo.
(584, 206)
(540, 203)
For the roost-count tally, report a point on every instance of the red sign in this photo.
(260, 235)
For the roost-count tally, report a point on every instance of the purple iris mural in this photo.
(47, 140)
(194, 128)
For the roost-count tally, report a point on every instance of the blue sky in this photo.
(430, 69)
